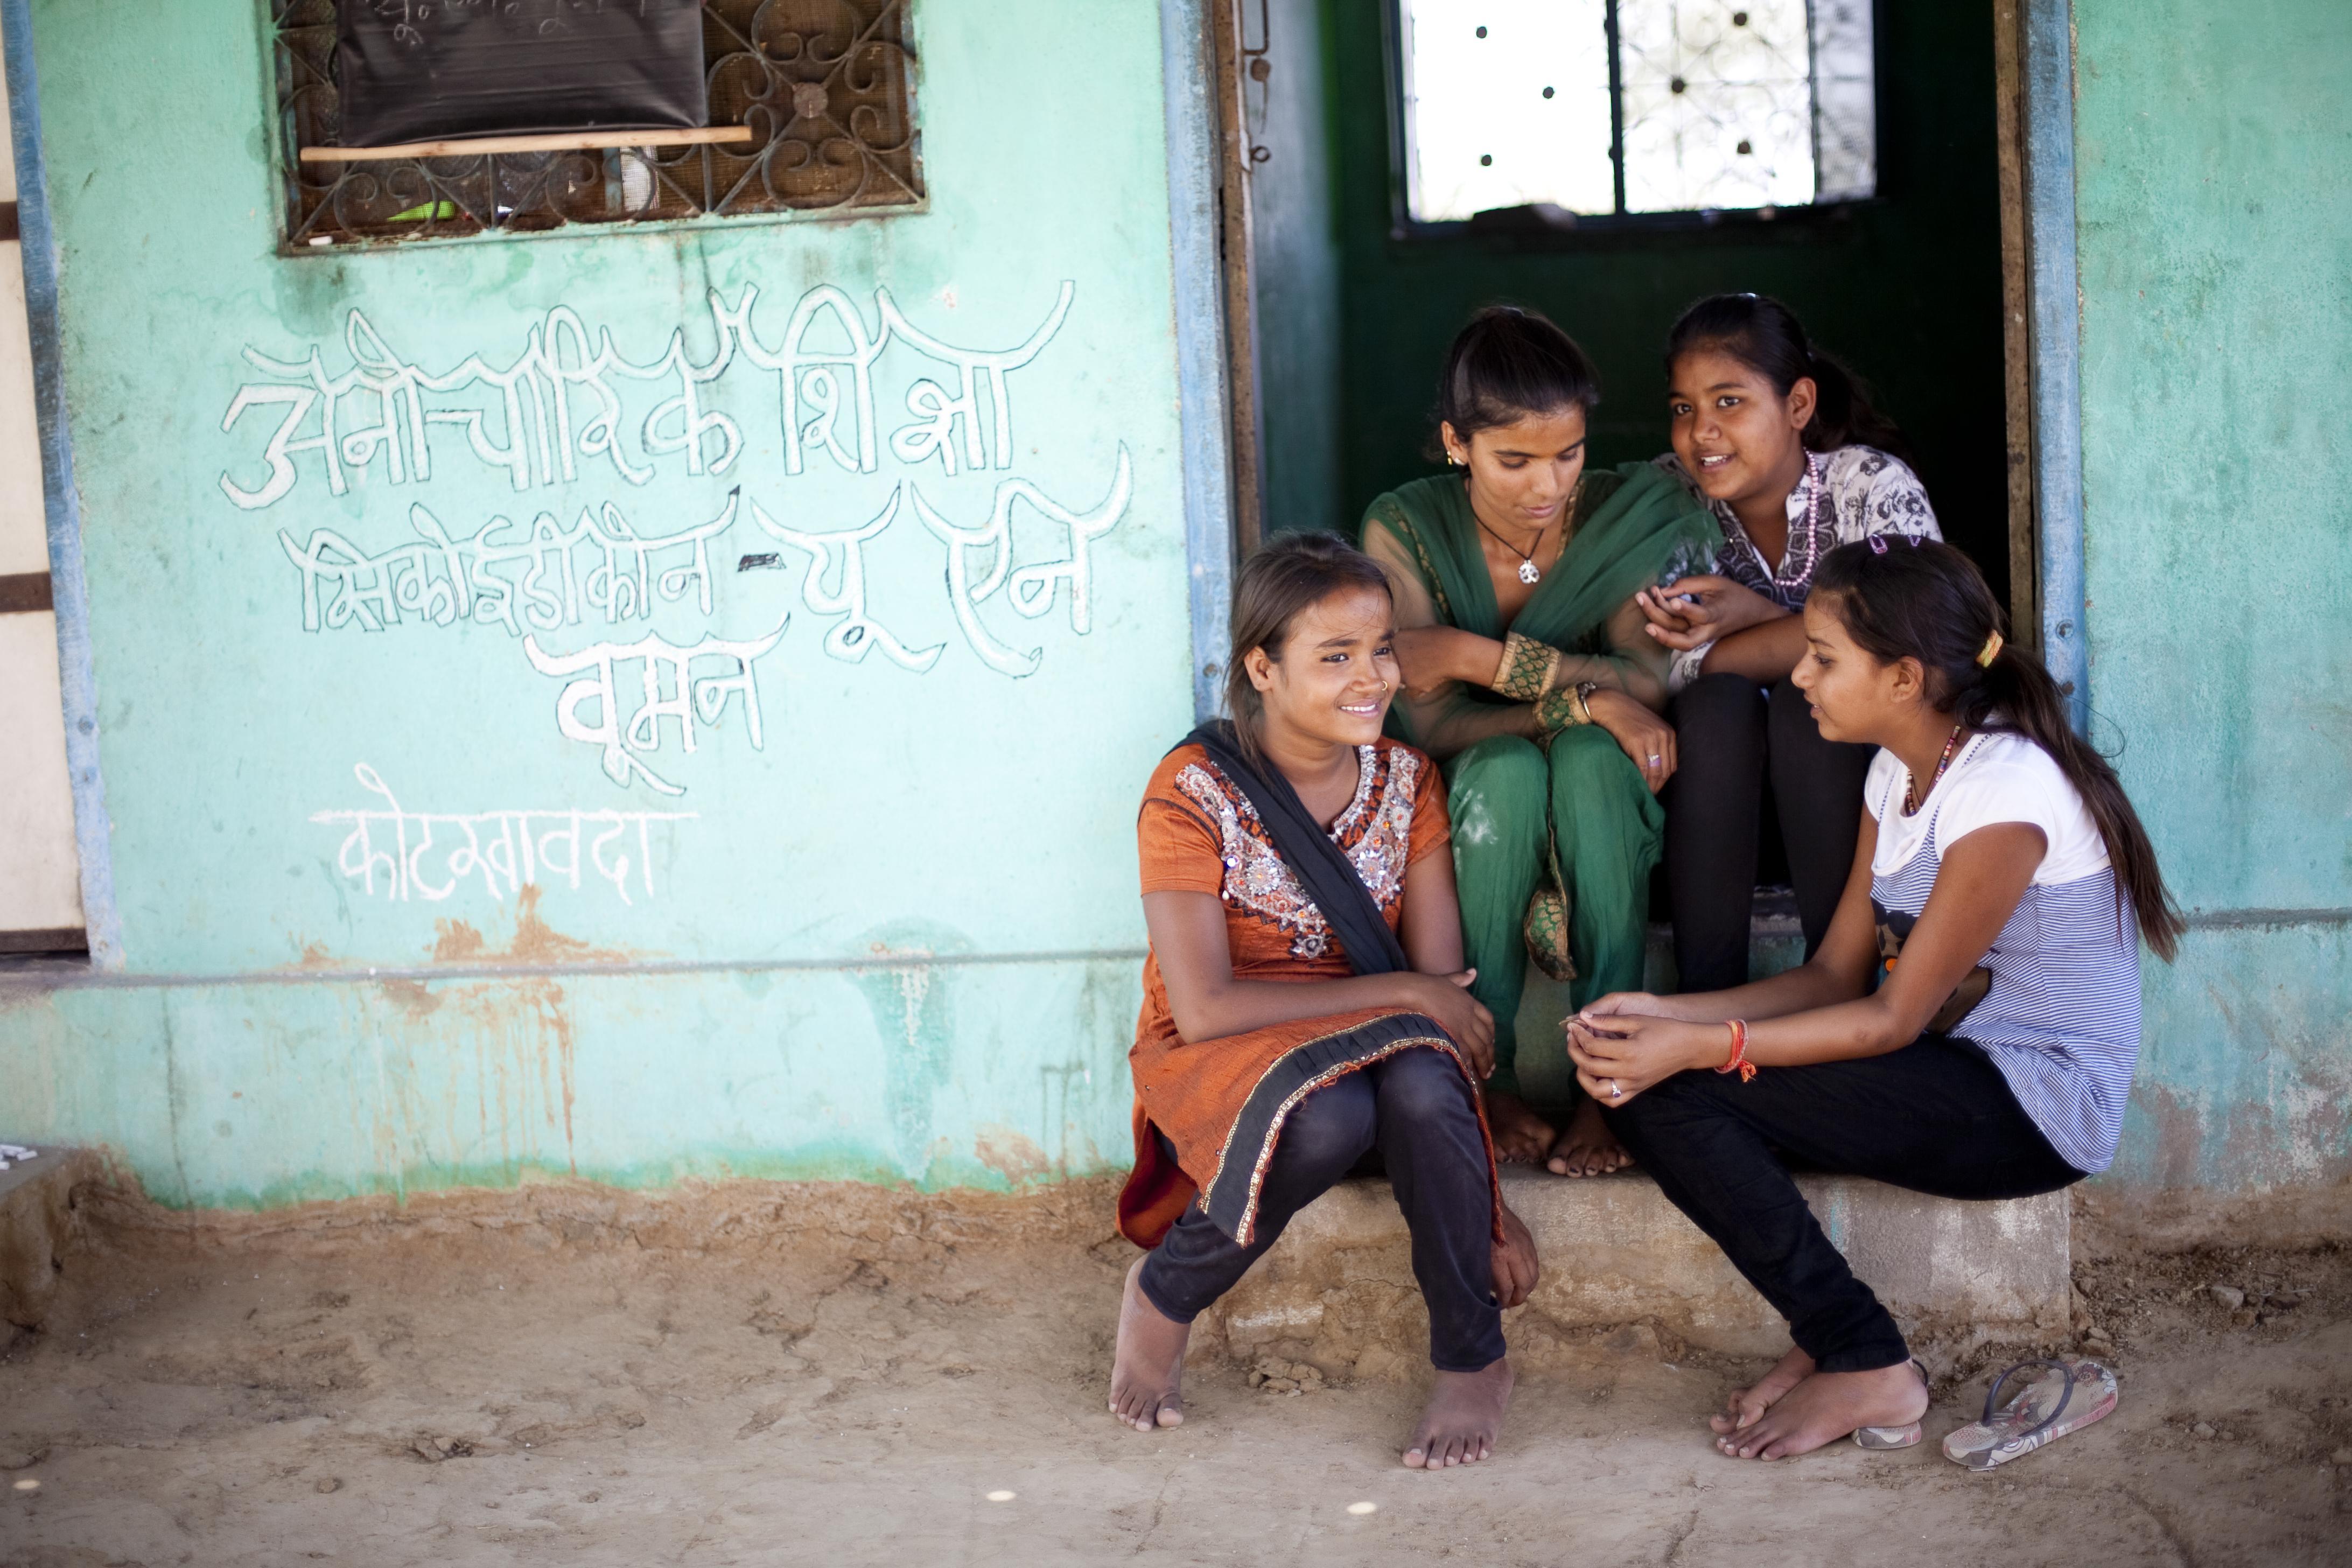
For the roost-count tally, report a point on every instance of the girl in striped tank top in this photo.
(1968, 1026)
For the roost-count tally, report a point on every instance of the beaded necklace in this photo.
(1910, 800)
(1813, 538)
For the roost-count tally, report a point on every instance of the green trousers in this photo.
(1514, 801)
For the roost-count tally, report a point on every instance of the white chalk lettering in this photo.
(505, 850)
(1033, 587)
(668, 687)
(841, 556)
(567, 398)
(505, 572)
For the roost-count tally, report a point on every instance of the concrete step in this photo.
(1623, 1270)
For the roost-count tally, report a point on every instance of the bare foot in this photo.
(1149, 1361)
(1588, 1148)
(1828, 1405)
(1463, 1420)
(1745, 1404)
(1521, 1136)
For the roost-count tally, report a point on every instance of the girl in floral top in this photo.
(1782, 446)
(1269, 1060)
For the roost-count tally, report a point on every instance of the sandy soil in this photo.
(769, 1374)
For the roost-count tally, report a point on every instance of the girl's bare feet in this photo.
(1148, 1362)
(1587, 1148)
(1745, 1404)
(1828, 1405)
(1521, 1137)
(1463, 1420)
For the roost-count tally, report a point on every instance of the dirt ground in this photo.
(762, 1375)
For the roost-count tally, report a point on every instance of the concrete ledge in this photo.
(37, 1228)
(1622, 1266)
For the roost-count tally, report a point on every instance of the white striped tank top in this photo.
(2060, 1015)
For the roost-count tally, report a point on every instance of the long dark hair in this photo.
(1290, 574)
(1929, 602)
(1765, 336)
(1506, 365)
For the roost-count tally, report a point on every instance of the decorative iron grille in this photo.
(1617, 107)
(825, 86)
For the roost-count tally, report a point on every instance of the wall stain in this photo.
(534, 942)
(455, 941)
(415, 1001)
(1010, 1153)
(913, 1017)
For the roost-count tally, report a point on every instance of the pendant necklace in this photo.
(1910, 799)
(1529, 573)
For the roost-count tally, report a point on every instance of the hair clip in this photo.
(1990, 651)
(1878, 544)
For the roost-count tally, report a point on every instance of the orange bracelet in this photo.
(1739, 1062)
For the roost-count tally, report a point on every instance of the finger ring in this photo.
(1615, 1092)
(1656, 759)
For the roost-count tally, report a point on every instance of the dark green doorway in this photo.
(1351, 310)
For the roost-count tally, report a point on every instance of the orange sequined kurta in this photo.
(1222, 1102)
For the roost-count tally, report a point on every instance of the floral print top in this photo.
(1864, 491)
(1375, 832)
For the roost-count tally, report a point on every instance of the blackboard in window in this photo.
(418, 71)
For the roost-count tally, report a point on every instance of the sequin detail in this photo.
(1375, 833)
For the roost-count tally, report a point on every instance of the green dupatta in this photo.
(1630, 522)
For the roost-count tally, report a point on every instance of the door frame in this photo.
(2043, 327)
(61, 503)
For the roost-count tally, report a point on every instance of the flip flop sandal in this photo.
(2067, 1396)
(1886, 1439)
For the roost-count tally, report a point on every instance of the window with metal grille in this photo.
(1629, 106)
(826, 89)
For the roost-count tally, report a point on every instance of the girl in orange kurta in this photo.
(1269, 1060)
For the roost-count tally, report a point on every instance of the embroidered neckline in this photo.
(1367, 760)
(1374, 833)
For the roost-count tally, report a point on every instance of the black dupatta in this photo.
(1327, 875)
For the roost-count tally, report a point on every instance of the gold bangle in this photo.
(1527, 667)
(1562, 707)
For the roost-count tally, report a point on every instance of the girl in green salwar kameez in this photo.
(1529, 678)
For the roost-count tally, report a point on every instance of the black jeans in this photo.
(1413, 1110)
(1935, 1117)
(1737, 746)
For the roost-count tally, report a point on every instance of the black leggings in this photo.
(1738, 745)
(1414, 1111)
(1935, 1116)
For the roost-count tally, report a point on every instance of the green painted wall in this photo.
(2214, 193)
(938, 813)
(897, 939)
(1907, 287)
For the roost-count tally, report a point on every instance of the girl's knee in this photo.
(1598, 790)
(1792, 714)
(1728, 704)
(1330, 1131)
(1423, 1085)
(1498, 762)
(1497, 797)
(1588, 757)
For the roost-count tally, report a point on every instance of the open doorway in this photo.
(1899, 245)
